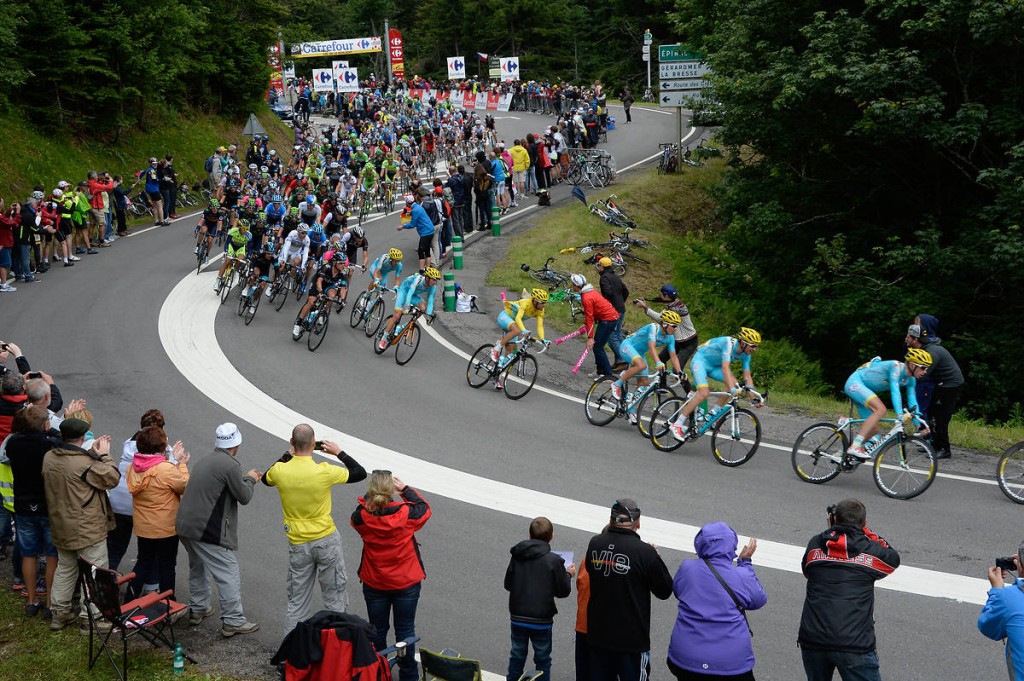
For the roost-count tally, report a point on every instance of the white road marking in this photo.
(187, 332)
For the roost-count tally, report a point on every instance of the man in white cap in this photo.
(207, 525)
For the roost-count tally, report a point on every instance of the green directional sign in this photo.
(675, 53)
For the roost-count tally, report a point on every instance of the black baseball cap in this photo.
(625, 511)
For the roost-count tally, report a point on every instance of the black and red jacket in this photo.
(841, 566)
(391, 557)
(331, 646)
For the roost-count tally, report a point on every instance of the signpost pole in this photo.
(387, 41)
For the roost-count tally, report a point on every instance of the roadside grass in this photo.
(29, 651)
(679, 211)
(28, 157)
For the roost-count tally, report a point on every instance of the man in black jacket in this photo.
(624, 571)
(534, 579)
(616, 293)
(842, 564)
(939, 390)
(458, 187)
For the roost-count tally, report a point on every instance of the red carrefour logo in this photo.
(396, 53)
(396, 41)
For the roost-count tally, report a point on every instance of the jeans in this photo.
(820, 664)
(118, 539)
(458, 215)
(6, 525)
(157, 561)
(615, 339)
(531, 179)
(20, 261)
(168, 206)
(109, 229)
(601, 335)
(446, 235)
(521, 637)
(483, 208)
(379, 605)
(467, 216)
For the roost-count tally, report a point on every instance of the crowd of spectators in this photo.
(73, 219)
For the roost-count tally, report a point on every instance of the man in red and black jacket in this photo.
(842, 564)
(600, 319)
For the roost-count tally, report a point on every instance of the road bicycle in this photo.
(365, 205)
(186, 198)
(648, 95)
(387, 197)
(369, 310)
(405, 338)
(735, 431)
(546, 275)
(1010, 473)
(203, 256)
(601, 407)
(518, 373)
(316, 322)
(589, 165)
(301, 279)
(565, 295)
(904, 465)
(281, 287)
(689, 160)
(227, 280)
(618, 262)
(249, 301)
(701, 152)
(669, 160)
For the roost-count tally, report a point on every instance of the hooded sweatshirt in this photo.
(534, 579)
(710, 635)
(944, 371)
(391, 558)
(156, 486)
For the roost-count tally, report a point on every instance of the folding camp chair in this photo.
(448, 665)
(149, 616)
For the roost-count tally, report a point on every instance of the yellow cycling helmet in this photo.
(395, 255)
(749, 336)
(432, 273)
(921, 358)
(670, 317)
(539, 295)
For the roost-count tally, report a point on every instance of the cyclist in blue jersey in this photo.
(648, 339)
(714, 359)
(418, 290)
(387, 263)
(875, 377)
(317, 240)
(275, 215)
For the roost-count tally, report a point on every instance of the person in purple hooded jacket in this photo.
(711, 639)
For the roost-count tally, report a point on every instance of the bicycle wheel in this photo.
(1010, 473)
(601, 407)
(480, 367)
(735, 437)
(374, 318)
(377, 350)
(280, 294)
(242, 302)
(646, 407)
(407, 344)
(358, 309)
(818, 452)
(318, 329)
(658, 427)
(254, 304)
(226, 283)
(204, 253)
(519, 377)
(301, 282)
(540, 276)
(905, 467)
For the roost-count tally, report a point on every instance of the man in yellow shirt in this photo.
(314, 549)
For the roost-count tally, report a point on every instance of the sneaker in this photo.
(69, 264)
(383, 344)
(61, 619)
(297, 332)
(494, 354)
(268, 293)
(943, 454)
(74, 258)
(229, 630)
(498, 385)
(252, 309)
(216, 286)
(18, 585)
(7, 288)
(100, 627)
(503, 362)
(858, 452)
(92, 251)
(631, 417)
(31, 610)
(29, 279)
(616, 391)
(174, 216)
(45, 613)
(677, 432)
(196, 617)
(196, 252)
(79, 251)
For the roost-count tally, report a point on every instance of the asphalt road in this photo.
(95, 327)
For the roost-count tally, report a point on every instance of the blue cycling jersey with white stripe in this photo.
(652, 333)
(878, 376)
(714, 352)
(386, 266)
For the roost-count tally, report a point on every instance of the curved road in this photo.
(509, 461)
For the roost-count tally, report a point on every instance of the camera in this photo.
(319, 445)
(1006, 563)
(34, 374)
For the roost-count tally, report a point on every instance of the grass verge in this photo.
(29, 651)
(28, 157)
(679, 212)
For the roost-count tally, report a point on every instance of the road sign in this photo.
(672, 99)
(646, 56)
(683, 69)
(675, 53)
(648, 38)
(456, 67)
(510, 68)
(685, 84)
(323, 80)
(647, 49)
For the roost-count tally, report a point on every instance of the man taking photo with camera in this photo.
(842, 564)
(1003, 614)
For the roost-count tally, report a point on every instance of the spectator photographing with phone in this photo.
(1002, 617)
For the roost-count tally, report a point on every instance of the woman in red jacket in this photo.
(391, 568)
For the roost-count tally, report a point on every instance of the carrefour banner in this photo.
(326, 48)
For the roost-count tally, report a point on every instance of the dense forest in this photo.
(877, 145)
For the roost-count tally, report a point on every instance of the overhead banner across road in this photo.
(327, 48)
